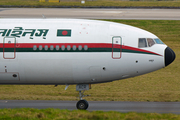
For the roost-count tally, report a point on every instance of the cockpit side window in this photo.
(142, 43)
(150, 42)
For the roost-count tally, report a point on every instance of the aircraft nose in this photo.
(169, 56)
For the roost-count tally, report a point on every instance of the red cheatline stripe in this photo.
(90, 45)
(140, 50)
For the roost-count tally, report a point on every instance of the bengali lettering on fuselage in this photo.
(20, 32)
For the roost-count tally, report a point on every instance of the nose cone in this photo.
(169, 56)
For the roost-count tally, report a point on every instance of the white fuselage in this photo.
(73, 51)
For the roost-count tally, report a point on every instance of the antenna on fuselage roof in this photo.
(43, 16)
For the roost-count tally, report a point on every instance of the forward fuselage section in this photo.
(69, 51)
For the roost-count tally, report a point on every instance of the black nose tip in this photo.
(169, 56)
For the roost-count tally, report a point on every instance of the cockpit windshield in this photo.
(158, 41)
(148, 42)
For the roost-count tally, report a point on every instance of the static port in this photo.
(104, 68)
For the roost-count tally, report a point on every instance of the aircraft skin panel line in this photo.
(77, 51)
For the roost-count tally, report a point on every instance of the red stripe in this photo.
(90, 45)
(140, 50)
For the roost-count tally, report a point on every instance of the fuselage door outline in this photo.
(9, 47)
(116, 47)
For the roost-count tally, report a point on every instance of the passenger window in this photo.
(68, 47)
(79, 47)
(40, 47)
(51, 47)
(46, 47)
(34, 47)
(57, 47)
(150, 42)
(74, 47)
(85, 47)
(158, 41)
(62, 47)
(142, 42)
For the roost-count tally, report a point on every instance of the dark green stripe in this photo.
(132, 51)
(7, 49)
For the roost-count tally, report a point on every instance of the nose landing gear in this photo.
(82, 104)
